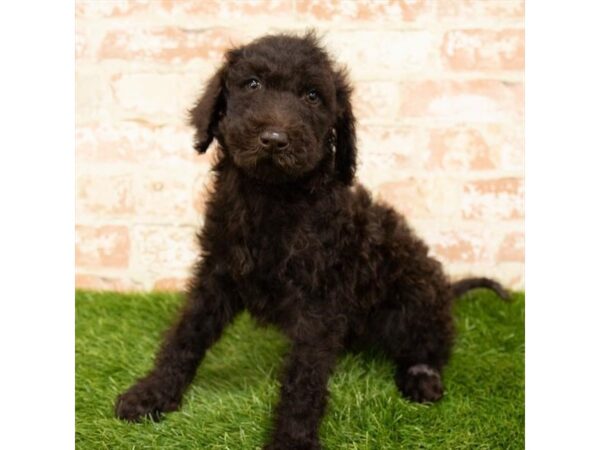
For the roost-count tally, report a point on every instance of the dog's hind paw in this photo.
(421, 383)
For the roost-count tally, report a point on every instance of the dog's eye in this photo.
(253, 84)
(312, 96)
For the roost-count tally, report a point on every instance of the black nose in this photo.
(274, 139)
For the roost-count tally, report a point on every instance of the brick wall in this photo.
(439, 99)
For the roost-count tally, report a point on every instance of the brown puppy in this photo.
(291, 239)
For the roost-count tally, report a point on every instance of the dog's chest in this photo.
(273, 249)
(276, 255)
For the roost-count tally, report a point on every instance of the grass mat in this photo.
(230, 402)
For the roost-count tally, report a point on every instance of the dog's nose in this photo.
(274, 139)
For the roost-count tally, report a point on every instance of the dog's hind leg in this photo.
(418, 339)
(210, 306)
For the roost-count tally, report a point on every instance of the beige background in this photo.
(438, 95)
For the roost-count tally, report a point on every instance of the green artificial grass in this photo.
(230, 403)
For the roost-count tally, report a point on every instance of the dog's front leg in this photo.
(210, 306)
(303, 395)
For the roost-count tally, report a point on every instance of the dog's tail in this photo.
(462, 286)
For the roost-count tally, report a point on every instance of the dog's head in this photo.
(280, 109)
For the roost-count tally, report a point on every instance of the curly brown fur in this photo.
(291, 239)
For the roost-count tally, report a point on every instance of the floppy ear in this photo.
(345, 132)
(208, 110)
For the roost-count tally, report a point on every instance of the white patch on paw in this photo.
(422, 368)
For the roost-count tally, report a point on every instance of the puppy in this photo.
(289, 237)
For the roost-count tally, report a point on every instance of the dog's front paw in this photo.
(289, 445)
(144, 399)
(421, 383)
(285, 441)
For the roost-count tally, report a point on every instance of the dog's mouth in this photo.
(273, 157)
(271, 163)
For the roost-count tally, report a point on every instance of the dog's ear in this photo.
(208, 110)
(345, 132)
